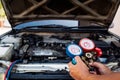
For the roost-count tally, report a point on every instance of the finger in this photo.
(71, 68)
(69, 64)
(98, 65)
(80, 62)
(78, 59)
(93, 72)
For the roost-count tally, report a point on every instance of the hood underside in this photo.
(99, 11)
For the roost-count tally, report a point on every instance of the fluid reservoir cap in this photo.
(73, 50)
(86, 44)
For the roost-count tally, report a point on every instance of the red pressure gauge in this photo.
(86, 44)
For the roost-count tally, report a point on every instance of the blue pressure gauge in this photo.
(73, 50)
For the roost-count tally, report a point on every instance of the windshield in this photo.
(66, 23)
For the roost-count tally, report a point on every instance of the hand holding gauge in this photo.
(86, 50)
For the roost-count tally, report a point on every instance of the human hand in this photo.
(101, 68)
(80, 70)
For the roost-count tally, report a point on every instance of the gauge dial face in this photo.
(74, 49)
(87, 44)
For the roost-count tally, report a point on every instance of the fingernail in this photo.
(74, 61)
(90, 63)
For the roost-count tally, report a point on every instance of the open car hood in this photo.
(99, 11)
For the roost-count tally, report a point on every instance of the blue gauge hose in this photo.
(10, 69)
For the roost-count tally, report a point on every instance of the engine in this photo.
(46, 53)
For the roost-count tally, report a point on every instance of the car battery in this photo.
(6, 51)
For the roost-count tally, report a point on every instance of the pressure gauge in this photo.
(86, 44)
(73, 50)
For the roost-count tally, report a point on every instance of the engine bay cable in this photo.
(7, 74)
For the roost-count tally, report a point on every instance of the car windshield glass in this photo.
(66, 23)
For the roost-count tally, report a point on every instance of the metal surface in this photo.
(42, 67)
(100, 11)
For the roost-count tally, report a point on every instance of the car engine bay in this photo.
(42, 30)
(44, 53)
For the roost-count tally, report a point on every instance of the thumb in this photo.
(80, 61)
(77, 58)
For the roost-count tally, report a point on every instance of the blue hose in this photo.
(12, 65)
